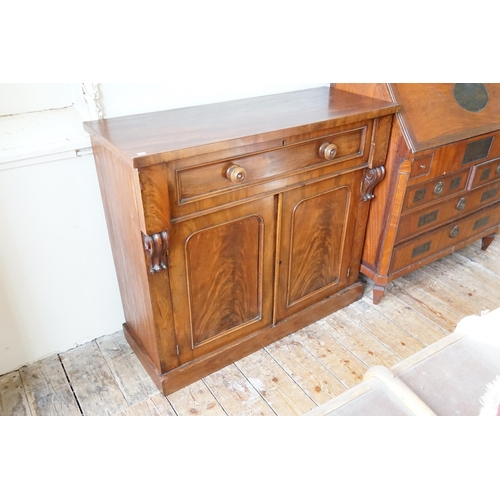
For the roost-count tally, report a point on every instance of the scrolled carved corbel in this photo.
(373, 178)
(156, 249)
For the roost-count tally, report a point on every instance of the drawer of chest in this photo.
(422, 194)
(427, 218)
(446, 237)
(485, 173)
(193, 183)
(455, 157)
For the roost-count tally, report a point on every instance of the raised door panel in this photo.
(222, 276)
(317, 233)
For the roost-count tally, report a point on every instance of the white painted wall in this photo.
(58, 285)
(28, 97)
(119, 99)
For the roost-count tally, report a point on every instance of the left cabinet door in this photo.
(221, 271)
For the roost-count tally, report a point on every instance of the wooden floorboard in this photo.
(93, 383)
(385, 329)
(451, 298)
(236, 395)
(13, 400)
(196, 401)
(48, 390)
(305, 370)
(288, 378)
(131, 377)
(156, 406)
(481, 260)
(426, 304)
(359, 341)
(275, 386)
(339, 361)
(411, 321)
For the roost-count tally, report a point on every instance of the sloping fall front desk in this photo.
(442, 189)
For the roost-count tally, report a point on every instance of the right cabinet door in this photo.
(317, 231)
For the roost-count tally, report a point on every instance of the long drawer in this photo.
(205, 183)
(448, 236)
(439, 213)
(436, 189)
(211, 179)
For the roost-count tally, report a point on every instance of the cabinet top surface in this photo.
(140, 139)
(436, 114)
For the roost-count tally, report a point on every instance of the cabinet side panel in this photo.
(118, 184)
(381, 206)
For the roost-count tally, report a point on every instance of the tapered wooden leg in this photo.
(378, 294)
(487, 241)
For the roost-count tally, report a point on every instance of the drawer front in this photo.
(204, 181)
(455, 157)
(441, 239)
(436, 189)
(421, 166)
(485, 173)
(437, 214)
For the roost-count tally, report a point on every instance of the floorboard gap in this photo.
(70, 385)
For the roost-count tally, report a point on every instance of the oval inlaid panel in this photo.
(471, 96)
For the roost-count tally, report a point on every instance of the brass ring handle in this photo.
(328, 151)
(439, 188)
(498, 170)
(236, 174)
(462, 204)
(454, 232)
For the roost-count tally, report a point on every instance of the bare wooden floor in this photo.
(290, 377)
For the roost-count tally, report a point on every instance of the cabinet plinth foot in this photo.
(487, 241)
(378, 294)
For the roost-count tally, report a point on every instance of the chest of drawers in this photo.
(442, 190)
(235, 224)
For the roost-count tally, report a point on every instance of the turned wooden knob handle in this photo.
(328, 151)
(236, 174)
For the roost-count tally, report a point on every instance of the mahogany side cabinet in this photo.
(235, 224)
(442, 190)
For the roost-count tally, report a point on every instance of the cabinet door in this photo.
(318, 223)
(221, 270)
